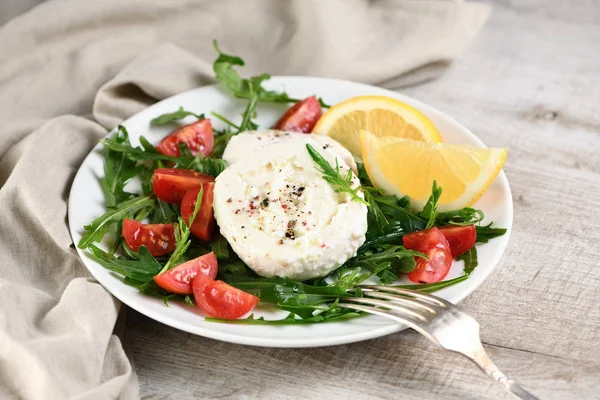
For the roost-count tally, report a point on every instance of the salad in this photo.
(290, 216)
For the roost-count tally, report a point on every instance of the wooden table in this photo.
(530, 82)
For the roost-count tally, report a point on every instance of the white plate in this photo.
(86, 203)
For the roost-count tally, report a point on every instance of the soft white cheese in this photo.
(247, 142)
(282, 218)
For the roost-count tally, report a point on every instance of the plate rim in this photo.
(474, 281)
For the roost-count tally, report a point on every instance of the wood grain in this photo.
(531, 83)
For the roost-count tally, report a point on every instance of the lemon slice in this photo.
(409, 167)
(380, 115)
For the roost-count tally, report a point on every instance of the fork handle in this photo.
(483, 361)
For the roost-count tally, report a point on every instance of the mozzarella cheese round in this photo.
(282, 218)
(247, 142)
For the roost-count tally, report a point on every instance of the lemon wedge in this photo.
(380, 115)
(409, 167)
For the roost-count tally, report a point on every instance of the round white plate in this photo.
(86, 203)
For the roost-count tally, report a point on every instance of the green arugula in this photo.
(221, 141)
(224, 67)
(434, 287)
(247, 124)
(397, 211)
(174, 116)
(96, 230)
(429, 212)
(296, 297)
(163, 212)
(375, 240)
(118, 171)
(377, 223)
(463, 217)
(140, 270)
(332, 314)
(487, 232)
(387, 262)
(386, 255)
(470, 259)
(206, 165)
(147, 152)
(334, 177)
(220, 247)
(182, 234)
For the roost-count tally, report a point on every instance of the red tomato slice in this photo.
(159, 239)
(413, 240)
(436, 248)
(171, 184)
(203, 226)
(179, 279)
(220, 300)
(301, 117)
(460, 238)
(198, 136)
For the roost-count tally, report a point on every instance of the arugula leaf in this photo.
(387, 254)
(463, 217)
(334, 177)
(434, 287)
(206, 165)
(235, 267)
(96, 230)
(186, 159)
(388, 262)
(429, 212)
(397, 212)
(487, 232)
(222, 138)
(182, 234)
(331, 315)
(220, 247)
(141, 270)
(247, 124)
(220, 143)
(163, 212)
(377, 223)
(284, 291)
(174, 116)
(386, 238)
(147, 152)
(470, 259)
(363, 176)
(228, 122)
(224, 67)
(118, 171)
(300, 298)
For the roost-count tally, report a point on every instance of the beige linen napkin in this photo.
(72, 69)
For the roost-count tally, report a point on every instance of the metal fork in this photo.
(438, 320)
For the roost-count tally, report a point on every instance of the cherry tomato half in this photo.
(198, 136)
(301, 117)
(159, 239)
(171, 184)
(203, 226)
(220, 300)
(179, 279)
(460, 238)
(435, 246)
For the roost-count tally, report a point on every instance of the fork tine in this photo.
(412, 293)
(406, 301)
(405, 319)
(391, 306)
